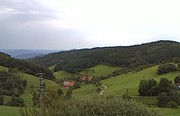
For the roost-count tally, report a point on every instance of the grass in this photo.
(116, 86)
(9, 111)
(169, 112)
(85, 90)
(27, 96)
(61, 74)
(2, 68)
(100, 70)
(52, 68)
(31, 81)
(119, 85)
(34, 81)
(146, 100)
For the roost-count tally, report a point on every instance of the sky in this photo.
(76, 24)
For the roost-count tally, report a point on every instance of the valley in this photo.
(95, 75)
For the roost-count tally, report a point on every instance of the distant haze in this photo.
(25, 54)
(70, 24)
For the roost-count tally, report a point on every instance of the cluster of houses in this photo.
(83, 78)
(86, 78)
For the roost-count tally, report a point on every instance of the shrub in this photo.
(163, 99)
(148, 88)
(97, 106)
(16, 101)
(165, 68)
(172, 104)
(177, 79)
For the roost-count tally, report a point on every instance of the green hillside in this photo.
(61, 74)
(115, 86)
(130, 81)
(52, 68)
(9, 111)
(136, 56)
(2, 68)
(33, 81)
(32, 86)
(118, 85)
(24, 66)
(100, 70)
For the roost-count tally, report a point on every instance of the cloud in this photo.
(58, 24)
(25, 10)
(30, 24)
(41, 37)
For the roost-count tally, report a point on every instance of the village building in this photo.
(86, 78)
(68, 84)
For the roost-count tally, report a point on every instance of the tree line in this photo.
(122, 56)
(167, 92)
(11, 85)
(24, 66)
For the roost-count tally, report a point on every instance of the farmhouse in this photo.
(68, 84)
(85, 78)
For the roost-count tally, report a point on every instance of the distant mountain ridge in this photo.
(25, 53)
(122, 56)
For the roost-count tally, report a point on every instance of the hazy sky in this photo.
(69, 24)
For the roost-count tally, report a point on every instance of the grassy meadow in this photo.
(32, 81)
(9, 111)
(61, 74)
(115, 86)
(2, 68)
(129, 81)
(33, 84)
(100, 70)
(118, 85)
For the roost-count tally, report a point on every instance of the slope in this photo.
(30, 68)
(121, 56)
(32, 85)
(100, 70)
(118, 85)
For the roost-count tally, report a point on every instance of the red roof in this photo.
(68, 84)
(86, 78)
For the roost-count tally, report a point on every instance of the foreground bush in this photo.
(93, 107)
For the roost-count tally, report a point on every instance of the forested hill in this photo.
(123, 56)
(30, 68)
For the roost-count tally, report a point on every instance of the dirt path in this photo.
(105, 87)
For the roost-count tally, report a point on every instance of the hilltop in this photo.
(24, 66)
(26, 53)
(136, 56)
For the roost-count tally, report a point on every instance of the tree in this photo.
(143, 87)
(60, 92)
(177, 79)
(165, 68)
(16, 101)
(172, 104)
(165, 85)
(98, 90)
(163, 99)
(170, 99)
(148, 87)
(69, 93)
(178, 98)
(1, 97)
